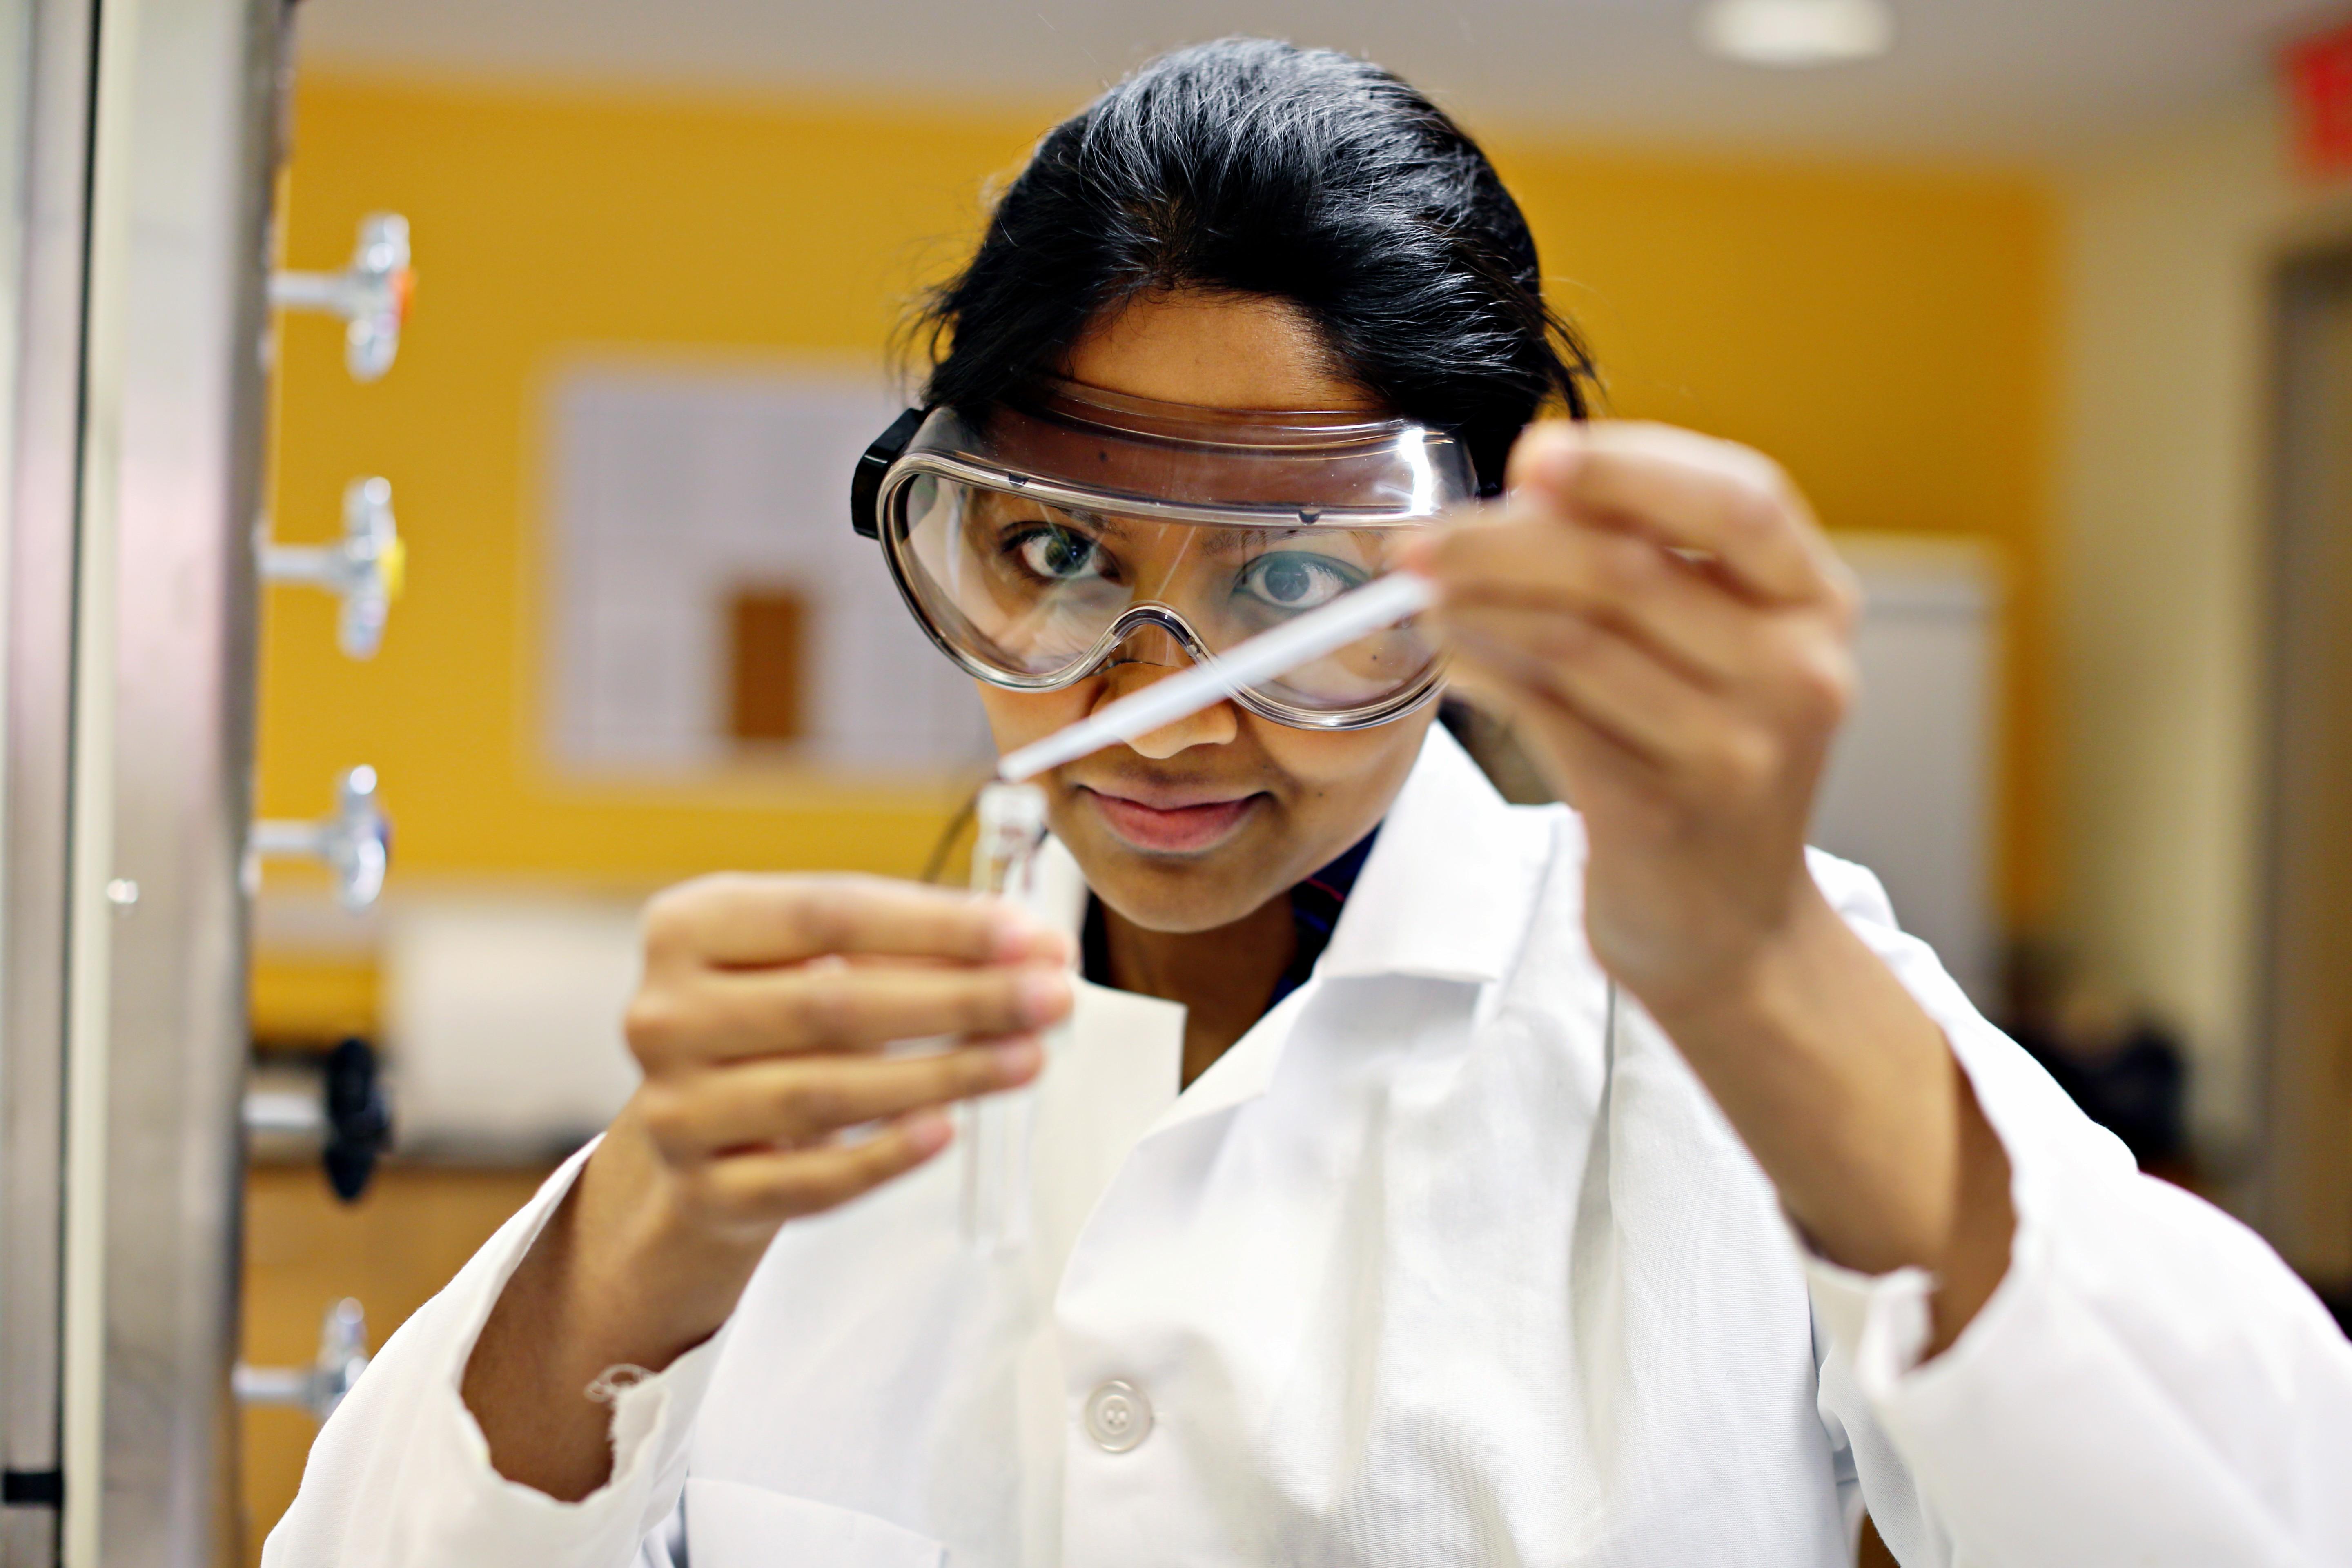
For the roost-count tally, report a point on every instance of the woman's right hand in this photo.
(767, 1095)
(759, 1026)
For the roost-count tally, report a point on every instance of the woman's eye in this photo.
(1056, 554)
(1291, 580)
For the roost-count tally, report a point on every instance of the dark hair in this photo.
(1253, 167)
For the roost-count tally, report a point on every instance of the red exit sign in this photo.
(2319, 72)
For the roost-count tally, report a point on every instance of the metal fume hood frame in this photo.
(137, 166)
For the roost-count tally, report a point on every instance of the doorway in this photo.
(2306, 958)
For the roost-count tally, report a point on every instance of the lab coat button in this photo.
(1118, 1416)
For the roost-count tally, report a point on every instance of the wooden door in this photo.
(2306, 957)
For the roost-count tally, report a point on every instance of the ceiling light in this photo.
(1796, 32)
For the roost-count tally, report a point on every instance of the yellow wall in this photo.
(1883, 332)
(1886, 334)
(543, 225)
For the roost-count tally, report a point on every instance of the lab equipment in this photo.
(995, 1131)
(365, 569)
(354, 844)
(1045, 536)
(331, 1104)
(1343, 621)
(138, 176)
(370, 295)
(320, 1387)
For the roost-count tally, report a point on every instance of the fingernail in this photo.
(1018, 1060)
(928, 1131)
(1044, 997)
(1552, 460)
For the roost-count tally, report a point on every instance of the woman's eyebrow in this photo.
(1231, 541)
(1215, 541)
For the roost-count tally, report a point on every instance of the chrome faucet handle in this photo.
(320, 1386)
(371, 294)
(355, 843)
(367, 568)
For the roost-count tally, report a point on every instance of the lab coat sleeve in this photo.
(2149, 1383)
(401, 1475)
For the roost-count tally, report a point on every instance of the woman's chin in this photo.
(1176, 893)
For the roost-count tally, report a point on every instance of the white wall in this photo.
(1910, 788)
(2168, 243)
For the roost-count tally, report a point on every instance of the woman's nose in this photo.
(1153, 654)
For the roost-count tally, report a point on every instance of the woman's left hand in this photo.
(1669, 632)
(1667, 629)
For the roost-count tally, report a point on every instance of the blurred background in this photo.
(2047, 304)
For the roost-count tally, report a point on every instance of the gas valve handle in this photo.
(355, 843)
(371, 294)
(320, 1386)
(350, 1116)
(367, 568)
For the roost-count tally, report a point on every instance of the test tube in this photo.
(995, 1130)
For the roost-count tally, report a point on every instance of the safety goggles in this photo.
(1053, 534)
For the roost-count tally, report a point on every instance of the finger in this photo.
(838, 1007)
(1623, 581)
(768, 1186)
(1617, 688)
(1591, 771)
(1690, 491)
(793, 1103)
(745, 918)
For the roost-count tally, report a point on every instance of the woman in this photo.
(1415, 1178)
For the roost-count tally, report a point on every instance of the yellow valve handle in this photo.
(393, 567)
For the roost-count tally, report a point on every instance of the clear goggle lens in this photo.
(1038, 594)
(1054, 531)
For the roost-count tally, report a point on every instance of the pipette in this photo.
(995, 1130)
(1381, 603)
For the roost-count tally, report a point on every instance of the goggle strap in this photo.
(865, 485)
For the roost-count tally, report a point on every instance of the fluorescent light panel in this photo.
(1792, 32)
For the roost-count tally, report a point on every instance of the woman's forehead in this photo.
(1214, 350)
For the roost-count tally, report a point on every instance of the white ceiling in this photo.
(1969, 78)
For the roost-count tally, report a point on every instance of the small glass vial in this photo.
(994, 1131)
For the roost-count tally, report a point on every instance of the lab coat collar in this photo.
(1451, 881)
(1447, 894)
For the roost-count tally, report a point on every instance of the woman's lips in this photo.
(1173, 829)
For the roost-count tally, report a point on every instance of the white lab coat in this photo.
(1436, 1266)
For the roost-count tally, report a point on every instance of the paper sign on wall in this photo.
(690, 505)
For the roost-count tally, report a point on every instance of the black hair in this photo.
(1251, 167)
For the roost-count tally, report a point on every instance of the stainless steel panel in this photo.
(138, 178)
(200, 144)
(51, 44)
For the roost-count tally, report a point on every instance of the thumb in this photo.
(1546, 456)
